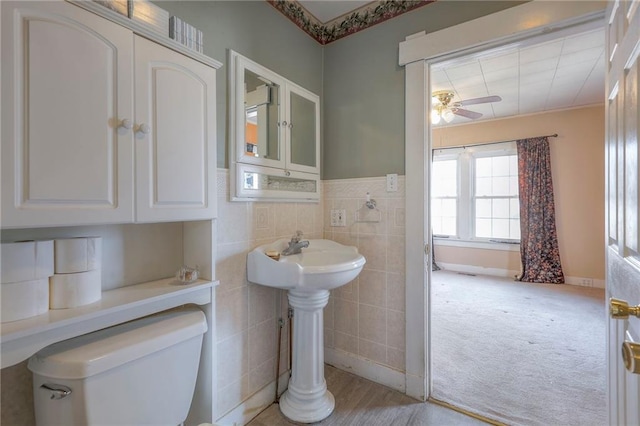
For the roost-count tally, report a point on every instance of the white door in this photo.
(175, 135)
(66, 89)
(623, 224)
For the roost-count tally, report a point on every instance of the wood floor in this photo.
(362, 402)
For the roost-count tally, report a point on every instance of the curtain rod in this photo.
(555, 135)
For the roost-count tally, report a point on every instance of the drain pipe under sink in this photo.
(280, 325)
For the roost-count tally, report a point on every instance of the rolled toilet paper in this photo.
(24, 299)
(73, 290)
(78, 254)
(26, 261)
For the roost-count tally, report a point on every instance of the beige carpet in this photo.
(519, 353)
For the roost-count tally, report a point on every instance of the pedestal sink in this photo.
(308, 277)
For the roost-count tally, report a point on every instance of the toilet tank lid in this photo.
(93, 353)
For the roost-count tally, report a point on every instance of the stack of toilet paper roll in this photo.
(24, 281)
(77, 279)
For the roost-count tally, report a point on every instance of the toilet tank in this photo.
(138, 373)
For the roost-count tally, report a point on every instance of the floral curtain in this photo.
(538, 237)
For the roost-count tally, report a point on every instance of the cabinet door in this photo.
(258, 117)
(175, 135)
(303, 147)
(66, 87)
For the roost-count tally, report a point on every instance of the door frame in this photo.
(416, 54)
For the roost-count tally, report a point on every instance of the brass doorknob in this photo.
(631, 356)
(620, 309)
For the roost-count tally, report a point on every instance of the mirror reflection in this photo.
(262, 106)
(265, 181)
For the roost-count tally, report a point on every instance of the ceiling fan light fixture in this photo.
(448, 115)
(442, 97)
(440, 106)
(435, 116)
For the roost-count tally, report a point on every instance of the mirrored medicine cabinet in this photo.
(274, 152)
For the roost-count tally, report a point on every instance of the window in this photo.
(496, 206)
(444, 198)
(475, 193)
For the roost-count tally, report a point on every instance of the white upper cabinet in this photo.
(275, 148)
(85, 114)
(66, 88)
(175, 135)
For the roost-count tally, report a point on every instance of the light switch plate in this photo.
(338, 217)
(392, 182)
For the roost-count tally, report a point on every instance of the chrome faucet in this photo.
(295, 245)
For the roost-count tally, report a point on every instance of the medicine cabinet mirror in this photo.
(262, 116)
(274, 133)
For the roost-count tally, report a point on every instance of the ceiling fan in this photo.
(447, 110)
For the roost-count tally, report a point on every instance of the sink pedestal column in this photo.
(307, 399)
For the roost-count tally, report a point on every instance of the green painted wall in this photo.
(258, 31)
(364, 89)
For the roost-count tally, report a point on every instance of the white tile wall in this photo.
(365, 318)
(247, 314)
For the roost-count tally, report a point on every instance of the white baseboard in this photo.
(365, 368)
(584, 282)
(478, 270)
(496, 272)
(255, 404)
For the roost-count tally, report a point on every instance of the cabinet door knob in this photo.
(284, 123)
(291, 125)
(126, 124)
(144, 129)
(287, 173)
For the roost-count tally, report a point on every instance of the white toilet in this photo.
(139, 373)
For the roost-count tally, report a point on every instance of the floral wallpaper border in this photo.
(362, 18)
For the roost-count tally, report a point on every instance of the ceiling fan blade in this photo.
(482, 100)
(466, 113)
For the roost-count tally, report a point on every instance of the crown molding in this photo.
(350, 23)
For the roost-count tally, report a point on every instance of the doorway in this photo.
(479, 102)
(416, 53)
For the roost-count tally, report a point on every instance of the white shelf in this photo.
(21, 339)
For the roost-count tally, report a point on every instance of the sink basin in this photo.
(324, 265)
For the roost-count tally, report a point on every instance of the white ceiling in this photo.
(543, 74)
(555, 74)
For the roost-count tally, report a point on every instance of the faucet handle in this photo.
(297, 236)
